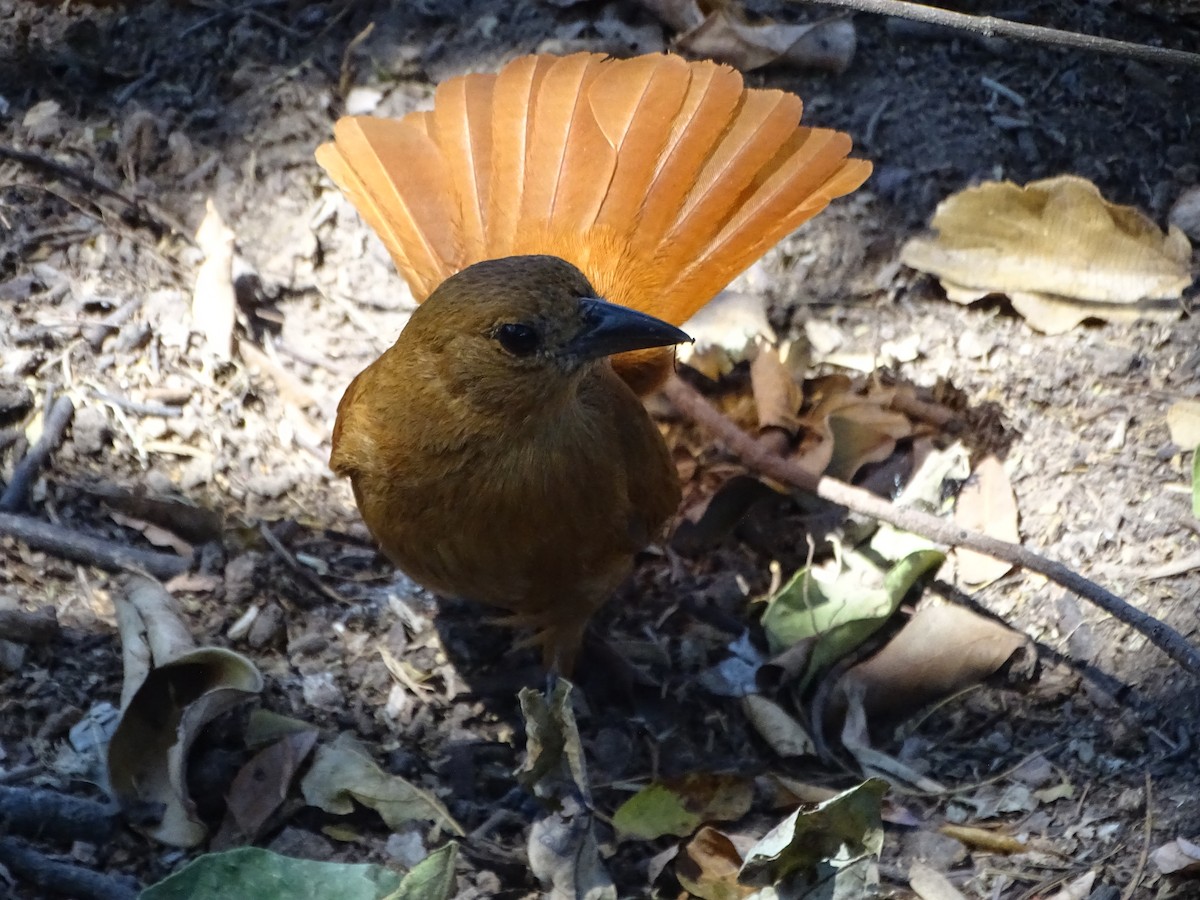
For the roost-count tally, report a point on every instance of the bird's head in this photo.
(523, 324)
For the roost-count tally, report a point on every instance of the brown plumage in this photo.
(529, 480)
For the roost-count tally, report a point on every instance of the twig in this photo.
(95, 333)
(28, 469)
(91, 551)
(38, 627)
(346, 73)
(1147, 831)
(138, 407)
(305, 574)
(751, 451)
(990, 26)
(156, 218)
(60, 877)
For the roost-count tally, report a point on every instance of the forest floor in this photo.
(176, 104)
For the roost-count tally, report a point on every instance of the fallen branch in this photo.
(141, 210)
(52, 875)
(28, 469)
(303, 572)
(990, 26)
(38, 627)
(90, 551)
(51, 816)
(766, 460)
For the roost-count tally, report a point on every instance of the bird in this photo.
(556, 221)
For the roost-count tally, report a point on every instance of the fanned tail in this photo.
(661, 179)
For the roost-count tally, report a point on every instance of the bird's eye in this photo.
(518, 339)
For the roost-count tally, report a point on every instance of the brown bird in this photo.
(498, 450)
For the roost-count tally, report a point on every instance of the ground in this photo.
(171, 104)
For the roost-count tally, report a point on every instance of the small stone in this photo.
(266, 627)
(15, 400)
(936, 849)
(1185, 214)
(240, 583)
(90, 432)
(308, 644)
(407, 848)
(320, 691)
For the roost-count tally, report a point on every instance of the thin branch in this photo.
(990, 26)
(28, 469)
(755, 454)
(141, 210)
(60, 877)
(91, 551)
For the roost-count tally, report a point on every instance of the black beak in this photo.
(610, 328)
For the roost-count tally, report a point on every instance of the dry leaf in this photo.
(941, 651)
(1183, 420)
(261, 786)
(562, 847)
(724, 333)
(930, 884)
(343, 772)
(214, 301)
(777, 727)
(709, 865)
(725, 36)
(776, 394)
(846, 428)
(679, 806)
(984, 839)
(986, 503)
(1078, 889)
(1179, 856)
(172, 689)
(857, 741)
(1057, 248)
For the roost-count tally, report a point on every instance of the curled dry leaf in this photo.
(172, 689)
(930, 884)
(562, 847)
(986, 503)
(724, 333)
(839, 837)
(847, 426)
(1057, 248)
(986, 839)
(214, 301)
(857, 741)
(782, 732)
(718, 30)
(776, 395)
(942, 650)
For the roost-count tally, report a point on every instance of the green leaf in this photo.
(250, 872)
(1196, 482)
(653, 811)
(343, 772)
(818, 844)
(679, 806)
(430, 879)
(840, 614)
